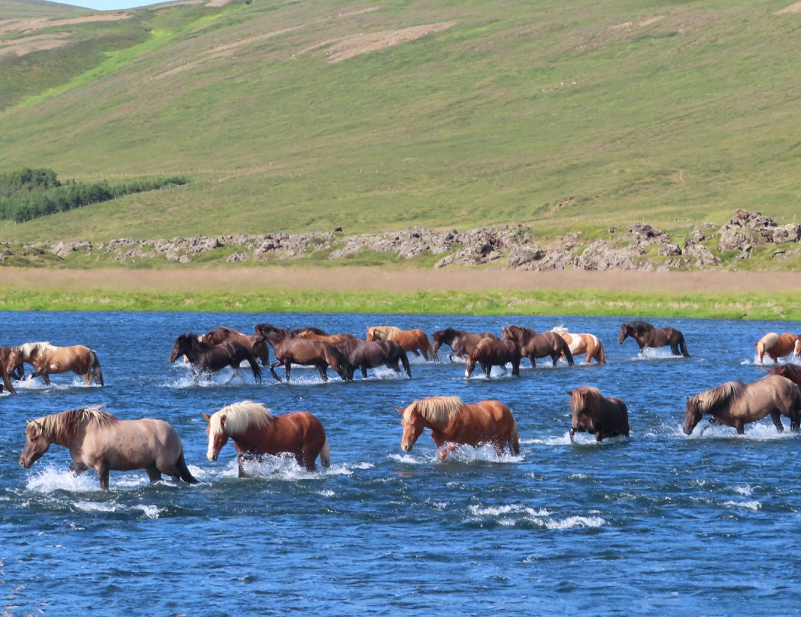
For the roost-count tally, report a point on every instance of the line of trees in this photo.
(30, 193)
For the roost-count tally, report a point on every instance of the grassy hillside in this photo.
(293, 116)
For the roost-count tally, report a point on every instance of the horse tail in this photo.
(514, 439)
(566, 351)
(425, 345)
(183, 470)
(254, 366)
(683, 347)
(96, 371)
(405, 361)
(325, 454)
(600, 354)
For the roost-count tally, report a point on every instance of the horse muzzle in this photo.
(406, 447)
(25, 464)
(213, 457)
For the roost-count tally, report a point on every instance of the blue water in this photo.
(657, 524)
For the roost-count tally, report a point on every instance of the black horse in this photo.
(461, 342)
(647, 335)
(360, 354)
(207, 359)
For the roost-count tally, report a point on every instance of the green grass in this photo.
(516, 109)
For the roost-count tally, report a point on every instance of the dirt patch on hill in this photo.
(358, 44)
(629, 25)
(30, 44)
(793, 8)
(37, 23)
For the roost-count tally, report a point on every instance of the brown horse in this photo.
(316, 334)
(256, 431)
(775, 346)
(360, 354)
(533, 345)
(588, 344)
(48, 359)
(254, 344)
(452, 422)
(207, 359)
(461, 342)
(291, 349)
(735, 404)
(410, 340)
(6, 379)
(596, 414)
(97, 439)
(790, 371)
(492, 352)
(17, 373)
(647, 335)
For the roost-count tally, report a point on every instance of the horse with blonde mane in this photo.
(492, 352)
(735, 404)
(48, 359)
(585, 343)
(256, 431)
(453, 422)
(533, 345)
(409, 340)
(597, 414)
(776, 346)
(96, 439)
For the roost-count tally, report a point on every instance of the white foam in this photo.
(656, 353)
(745, 490)
(282, 467)
(757, 431)
(493, 511)
(408, 459)
(512, 514)
(748, 505)
(573, 522)
(91, 506)
(47, 479)
(384, 373)
(469, 454)
(326, 493)
(151, 512)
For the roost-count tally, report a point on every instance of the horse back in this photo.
(289, 432)
(127, 444)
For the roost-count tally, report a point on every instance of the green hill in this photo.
(292, 116)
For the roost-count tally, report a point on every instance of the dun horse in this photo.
(410, 340)
(369, 354)
(254, 344)
(462, 343)
(98, 440)
(735, 404)
(647, 335)
(207, 359)
(588, 344)
(533, 345)
(596, 414)
(48, 359)
(492, 352)
(256, 431)
(291, 349)
(452, 422)
(775, 346)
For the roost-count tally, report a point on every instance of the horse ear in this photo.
(27, 421)
(399, 410)
(569, 392)
(206, 416)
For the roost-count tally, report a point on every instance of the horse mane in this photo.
(641, 327)
(520, 334)
(62, 426)
(435, 409)
(387, 332)
(482, 346)
(27, 350)
(311, 330)
(710, 399)
(790, 371)
(589, 397)
(195, 342)
(559, 330)
(239, 417)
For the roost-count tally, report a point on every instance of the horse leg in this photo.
(777, 420)
(272, 370)
(86, 381)
(363, 369)
(287, 369)
(102, 471)
(487, 369)
(322, 368)
(740, 427)
(241, 463)
(674, 349)
(308, 461)
(77, 468)
(555, 357)
(533, 361)
(153, 473)
(446, 451)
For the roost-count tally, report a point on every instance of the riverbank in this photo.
(731, 295)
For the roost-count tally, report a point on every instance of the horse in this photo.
(97, 439)
(254, 344)
(48, 359)
(735, 403)
(647, 335)
(776, 346)
(588, 344)
(533, 345)
(17, 373)
(316, 334)
(790, 371)
(490, 352)
(291, 349)
(256, 431)
(596, 414)
(207, 359)
(460, 341)
(410, 340)
(369, 354)
(453, 422)
(6, 379)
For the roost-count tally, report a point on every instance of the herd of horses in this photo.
(97, 439)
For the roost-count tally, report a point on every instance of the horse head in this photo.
(14, 360)
(371, 335)
(412, 423)
(469, 364)
(511, 333)
(36, 444)
(182, 346)
(272, 334)
(625, 330)
(217, 437)
(692, 415)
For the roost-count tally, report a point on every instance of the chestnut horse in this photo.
(588, 344)
(291, 349)
(369, 354)
(316, 334)
(97, 439)
(17, 373)
(254, 344)
(207, 359)
(790, 371)
(491, 352)
(410, 340)
(256, 431)
(460, 341)
(452, 422)
(596, 414)
(533, 345)
(776, 346)
(48, 359)
(647, 335)
(735, 403)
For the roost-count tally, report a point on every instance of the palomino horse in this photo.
(533, 345)
(776, 346)
(583, 343)
(410, 340)
(452, 422)
(790, 371)
(316, 334)
(97, 439)
(647, 335)
(291, 349)
(207, 359)
(492, 352)
(254, 344)
(369, 354)
(460, 341)
(48, 359)
(596, 414)
(256, 431)
(735, 403)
